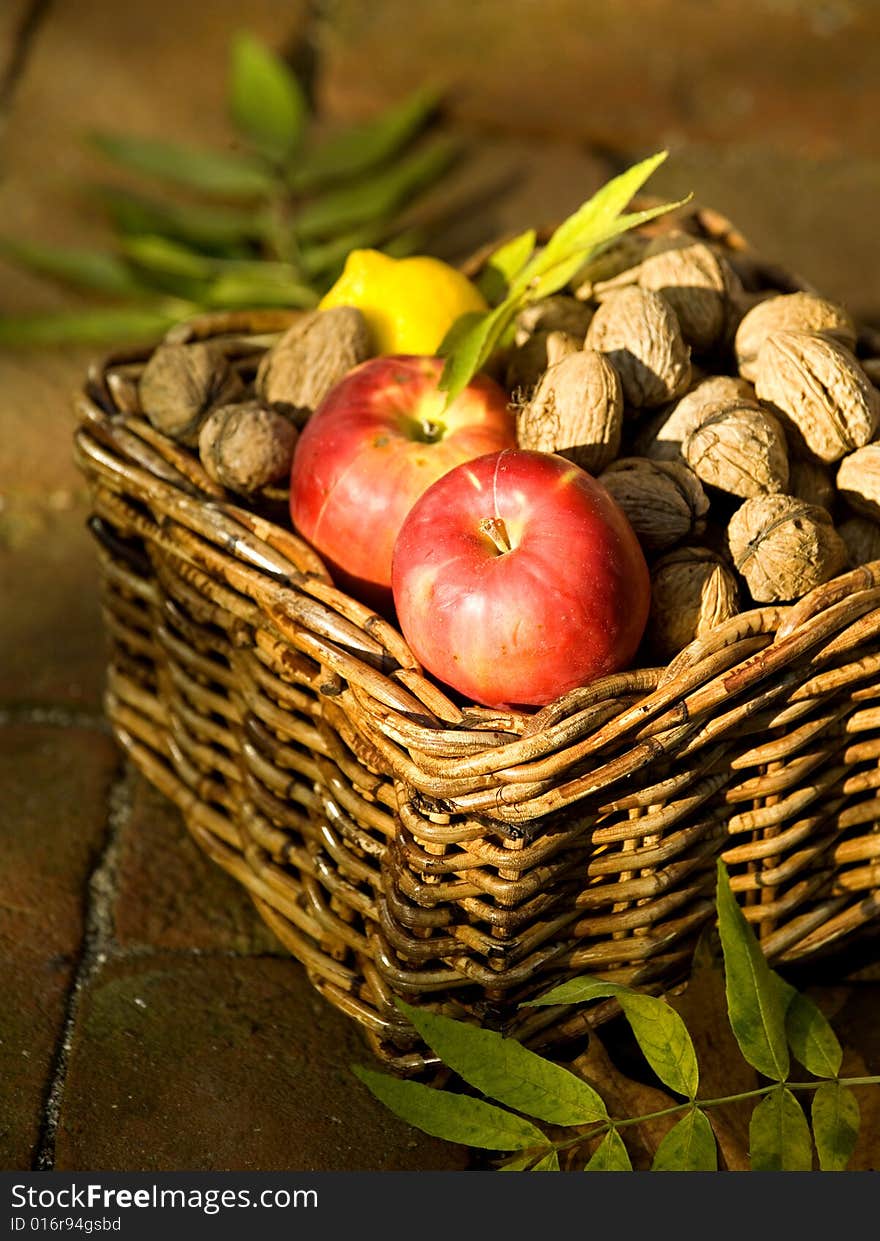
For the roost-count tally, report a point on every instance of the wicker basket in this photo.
(399, 844)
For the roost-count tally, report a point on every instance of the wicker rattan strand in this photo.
(401, 845)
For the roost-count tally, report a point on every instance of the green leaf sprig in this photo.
(519, 273)
(771, 1023)
(267, 223)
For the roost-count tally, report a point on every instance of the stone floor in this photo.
(150, 1021)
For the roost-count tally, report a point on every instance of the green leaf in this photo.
(610, 1155)
(550, 1163)
(83, 269)
(593, 218)
(556, 276)
(163, 255)
(688, 1147)
(779, 1136)
(659, 1030)
(367, 201)
(519, 1163)
(90, 327)
(577, 991)
(226, 283)
(504, 264)
(754, 1001)
(455, 1118)
(406, 243)
(811, 1039)
(238, 290)
(664, 1040)
(266, 100)
(505, 1070)
(319, 257)
(469, 344)
(210, 172)
(360, 148)
(836, 1122)
(198, 224)
(594, 224)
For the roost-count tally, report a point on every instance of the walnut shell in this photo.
(639, 333)
(692, 591)
(527, 363)
(180, 384)
(622, 257)
(740, 449)
(820, 388)
(553, 314)
(245, 447)
(798, 312)
(861, 536)
(310, 358)
(663, 438)
(784, 547)
(858, 481)
(576, 410)
(696, 281)
(811, 482)
(665, 502)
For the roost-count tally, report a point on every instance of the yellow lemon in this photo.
(409, 304)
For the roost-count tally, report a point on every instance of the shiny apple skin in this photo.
(363, 460)
(567, 604)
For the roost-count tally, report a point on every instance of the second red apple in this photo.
(377, 442)
(518, 578)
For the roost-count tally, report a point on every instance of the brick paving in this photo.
(56, 785)
(223, 1063)
(151, 1020)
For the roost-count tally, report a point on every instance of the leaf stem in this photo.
(604, 1125)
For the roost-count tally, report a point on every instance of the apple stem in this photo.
(496, 530)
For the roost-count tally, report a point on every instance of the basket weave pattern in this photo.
(400, 844)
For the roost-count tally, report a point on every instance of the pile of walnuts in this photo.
(733, 425)
(246, 434)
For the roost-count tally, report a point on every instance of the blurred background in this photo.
(147, 1017)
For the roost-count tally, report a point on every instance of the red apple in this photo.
(377, 441)
(517, 577)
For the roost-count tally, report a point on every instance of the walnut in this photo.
(639, 332)
(740, 449)
(553, 314)
(861, 537)
(696, 281)
(798, 312)
(784, 547)
(858, 481)
(311, 358)
(526, 364)
(246, 447)
(180, 384)
(664, 502)
(576, 410)
(664, 437)
(621, 258)
(810, 481)
(820, 388)
(871, 367)
(692, 591)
